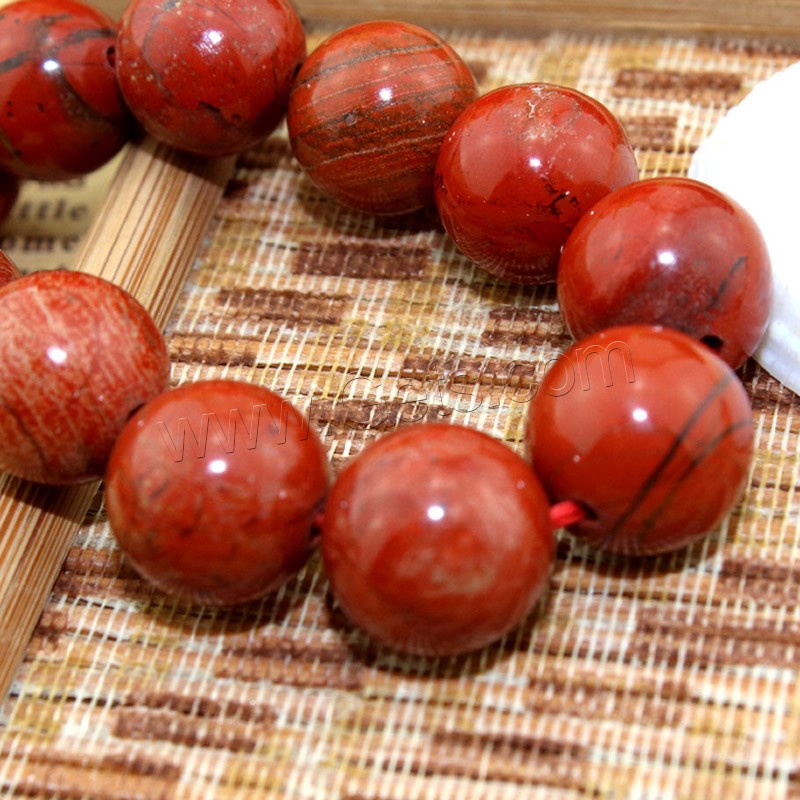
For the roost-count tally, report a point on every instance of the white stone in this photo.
(753, 155)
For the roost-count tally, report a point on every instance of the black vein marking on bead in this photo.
(652, 480)
(385, 149)
(73, 103)
(48, 20)
(371, 123)
(560, 197)
(157, 75)
(215, 111)
(695, 461)
(216, 10)
(146, 46)
(158, 490)
(368, 123)
(16, 156)
(377, 54)
(71, 99)
(12, 151)
(85, 35)
(429, 93)
(15, 61)
(738, 265)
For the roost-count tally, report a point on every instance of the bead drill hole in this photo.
(713, 342)
(111, 56)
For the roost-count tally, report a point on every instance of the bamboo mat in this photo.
(664, 679)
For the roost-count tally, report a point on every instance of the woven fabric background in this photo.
(664, 679)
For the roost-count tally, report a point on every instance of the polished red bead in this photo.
(437, 539)
(61, 113)
(211, 77)
(518, 170)
(9, 271)
(77, 356)
(649, 431)
(669, 251)
(369, 110)
(213, 489)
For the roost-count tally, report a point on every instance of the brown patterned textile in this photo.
(673, 678)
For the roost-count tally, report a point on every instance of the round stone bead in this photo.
(213, 490)
(78, 355)
(8, 270)
(369, 110)
(649, 431)
(520, 167)
(437, 539)
(210, 77)
(669, 251)
(61, 113)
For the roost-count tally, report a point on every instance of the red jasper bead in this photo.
(61, 113)
(669, 251)
(211, 77)
(77, 356)
(369, 110)
(213, 488)
(437, 539)
(518, 170)
(9, 271)
(649, 431)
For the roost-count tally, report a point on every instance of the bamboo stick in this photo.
(144, 239)
(779, 19)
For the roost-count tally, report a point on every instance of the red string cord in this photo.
(566, 513)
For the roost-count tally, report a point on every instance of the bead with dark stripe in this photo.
(649, 430)
(369, 110)
(669, 251)
(61, 113)
(211, 77)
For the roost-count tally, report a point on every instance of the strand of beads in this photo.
(436, 539)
